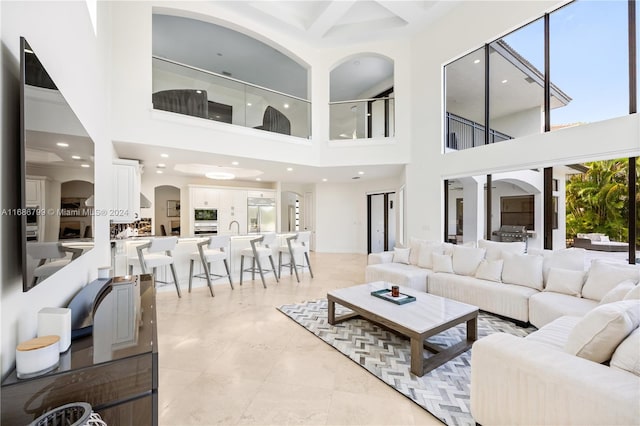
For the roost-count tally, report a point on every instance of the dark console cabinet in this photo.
(115, 369)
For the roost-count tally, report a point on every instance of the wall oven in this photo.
(205, 221)
(208, 215)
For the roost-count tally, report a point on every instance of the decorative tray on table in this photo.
(385, 294)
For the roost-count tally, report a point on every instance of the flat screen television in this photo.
(56, 166)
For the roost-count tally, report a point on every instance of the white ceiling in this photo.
(340, 22)
(268, 171)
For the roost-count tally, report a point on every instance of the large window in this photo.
(589, 61)
(588, 76)
(464, 94)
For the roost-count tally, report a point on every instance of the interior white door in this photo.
(377, 223)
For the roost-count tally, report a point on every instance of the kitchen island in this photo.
(123, 249)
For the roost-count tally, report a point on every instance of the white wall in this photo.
(62, 36)
(341, 214)
(613, 138)
(135, 121)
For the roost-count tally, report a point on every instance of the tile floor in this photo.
(236, 360)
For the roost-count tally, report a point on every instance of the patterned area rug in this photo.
(444, 392)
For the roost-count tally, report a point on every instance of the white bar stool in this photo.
(154, 257)
(53, 252)
(260, 248)
(296, 245)
(215, 252)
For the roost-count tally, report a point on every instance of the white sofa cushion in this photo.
(414, 245)
(627, 354)
(547, 306)
(503, 299)
(603, 276)
(490, 270)
(495, 248)
(618, 293)
(569, 258)
(401, 255)
(556, 332)
(398, 273)
(442, 263)
(426, 250)
(522, 269)
(465, 260)
(600, 331)
(565, 281)
(634, 293)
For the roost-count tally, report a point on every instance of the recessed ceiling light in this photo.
(62, 144)
(76, 157)
(504, 81)
(356, 177)
(248, 103)
(360, 173)
(324, 179)
(286, 105)
(159, 172)
(477, 61)
(219, 54)
(258, 179)
(198, 91)
(164, 155)
(235, 163)
(289, 169)
(220, 175)
(86, 166)
(162, 165)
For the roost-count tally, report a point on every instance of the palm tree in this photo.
(597, 200)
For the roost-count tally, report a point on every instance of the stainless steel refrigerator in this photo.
(261, 214)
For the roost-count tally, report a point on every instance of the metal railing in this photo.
(362, 118)
(188, 90)
(461, 133)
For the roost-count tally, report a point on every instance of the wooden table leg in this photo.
(417, 356)
(472, 329)
(331, 316)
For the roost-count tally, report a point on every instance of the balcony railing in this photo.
(464, 134)
(196, 92)
(362, 119)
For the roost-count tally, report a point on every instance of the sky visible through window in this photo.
(588, 58)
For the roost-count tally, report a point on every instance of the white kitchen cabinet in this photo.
(125, 207)
(203, 197)
(261, 194)
(33, 192)
(233, 206)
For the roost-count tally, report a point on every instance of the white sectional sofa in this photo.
(573, 371)
(500, 278)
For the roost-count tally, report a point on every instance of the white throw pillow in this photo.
(401, 255)
(490, 270)
(522, 269)
(627, 354)
(447, 248)
(570, 258)
(604, 276)
(565, 281)
(634, 293)
(426, 250)
(618, 293)
(600, 331)
(465, 260)
(604, 238)
(442, 263)
(414, 245)
(495, 248)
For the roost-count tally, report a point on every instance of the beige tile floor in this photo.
(236, 360)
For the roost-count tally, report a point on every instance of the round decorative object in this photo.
(37, 356)
(74, 414)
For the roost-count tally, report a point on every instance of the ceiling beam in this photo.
(329, 17)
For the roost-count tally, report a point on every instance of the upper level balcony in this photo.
(188, 90)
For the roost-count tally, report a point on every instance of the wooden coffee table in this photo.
(427, 316)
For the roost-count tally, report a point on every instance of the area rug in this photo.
(444, 392)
